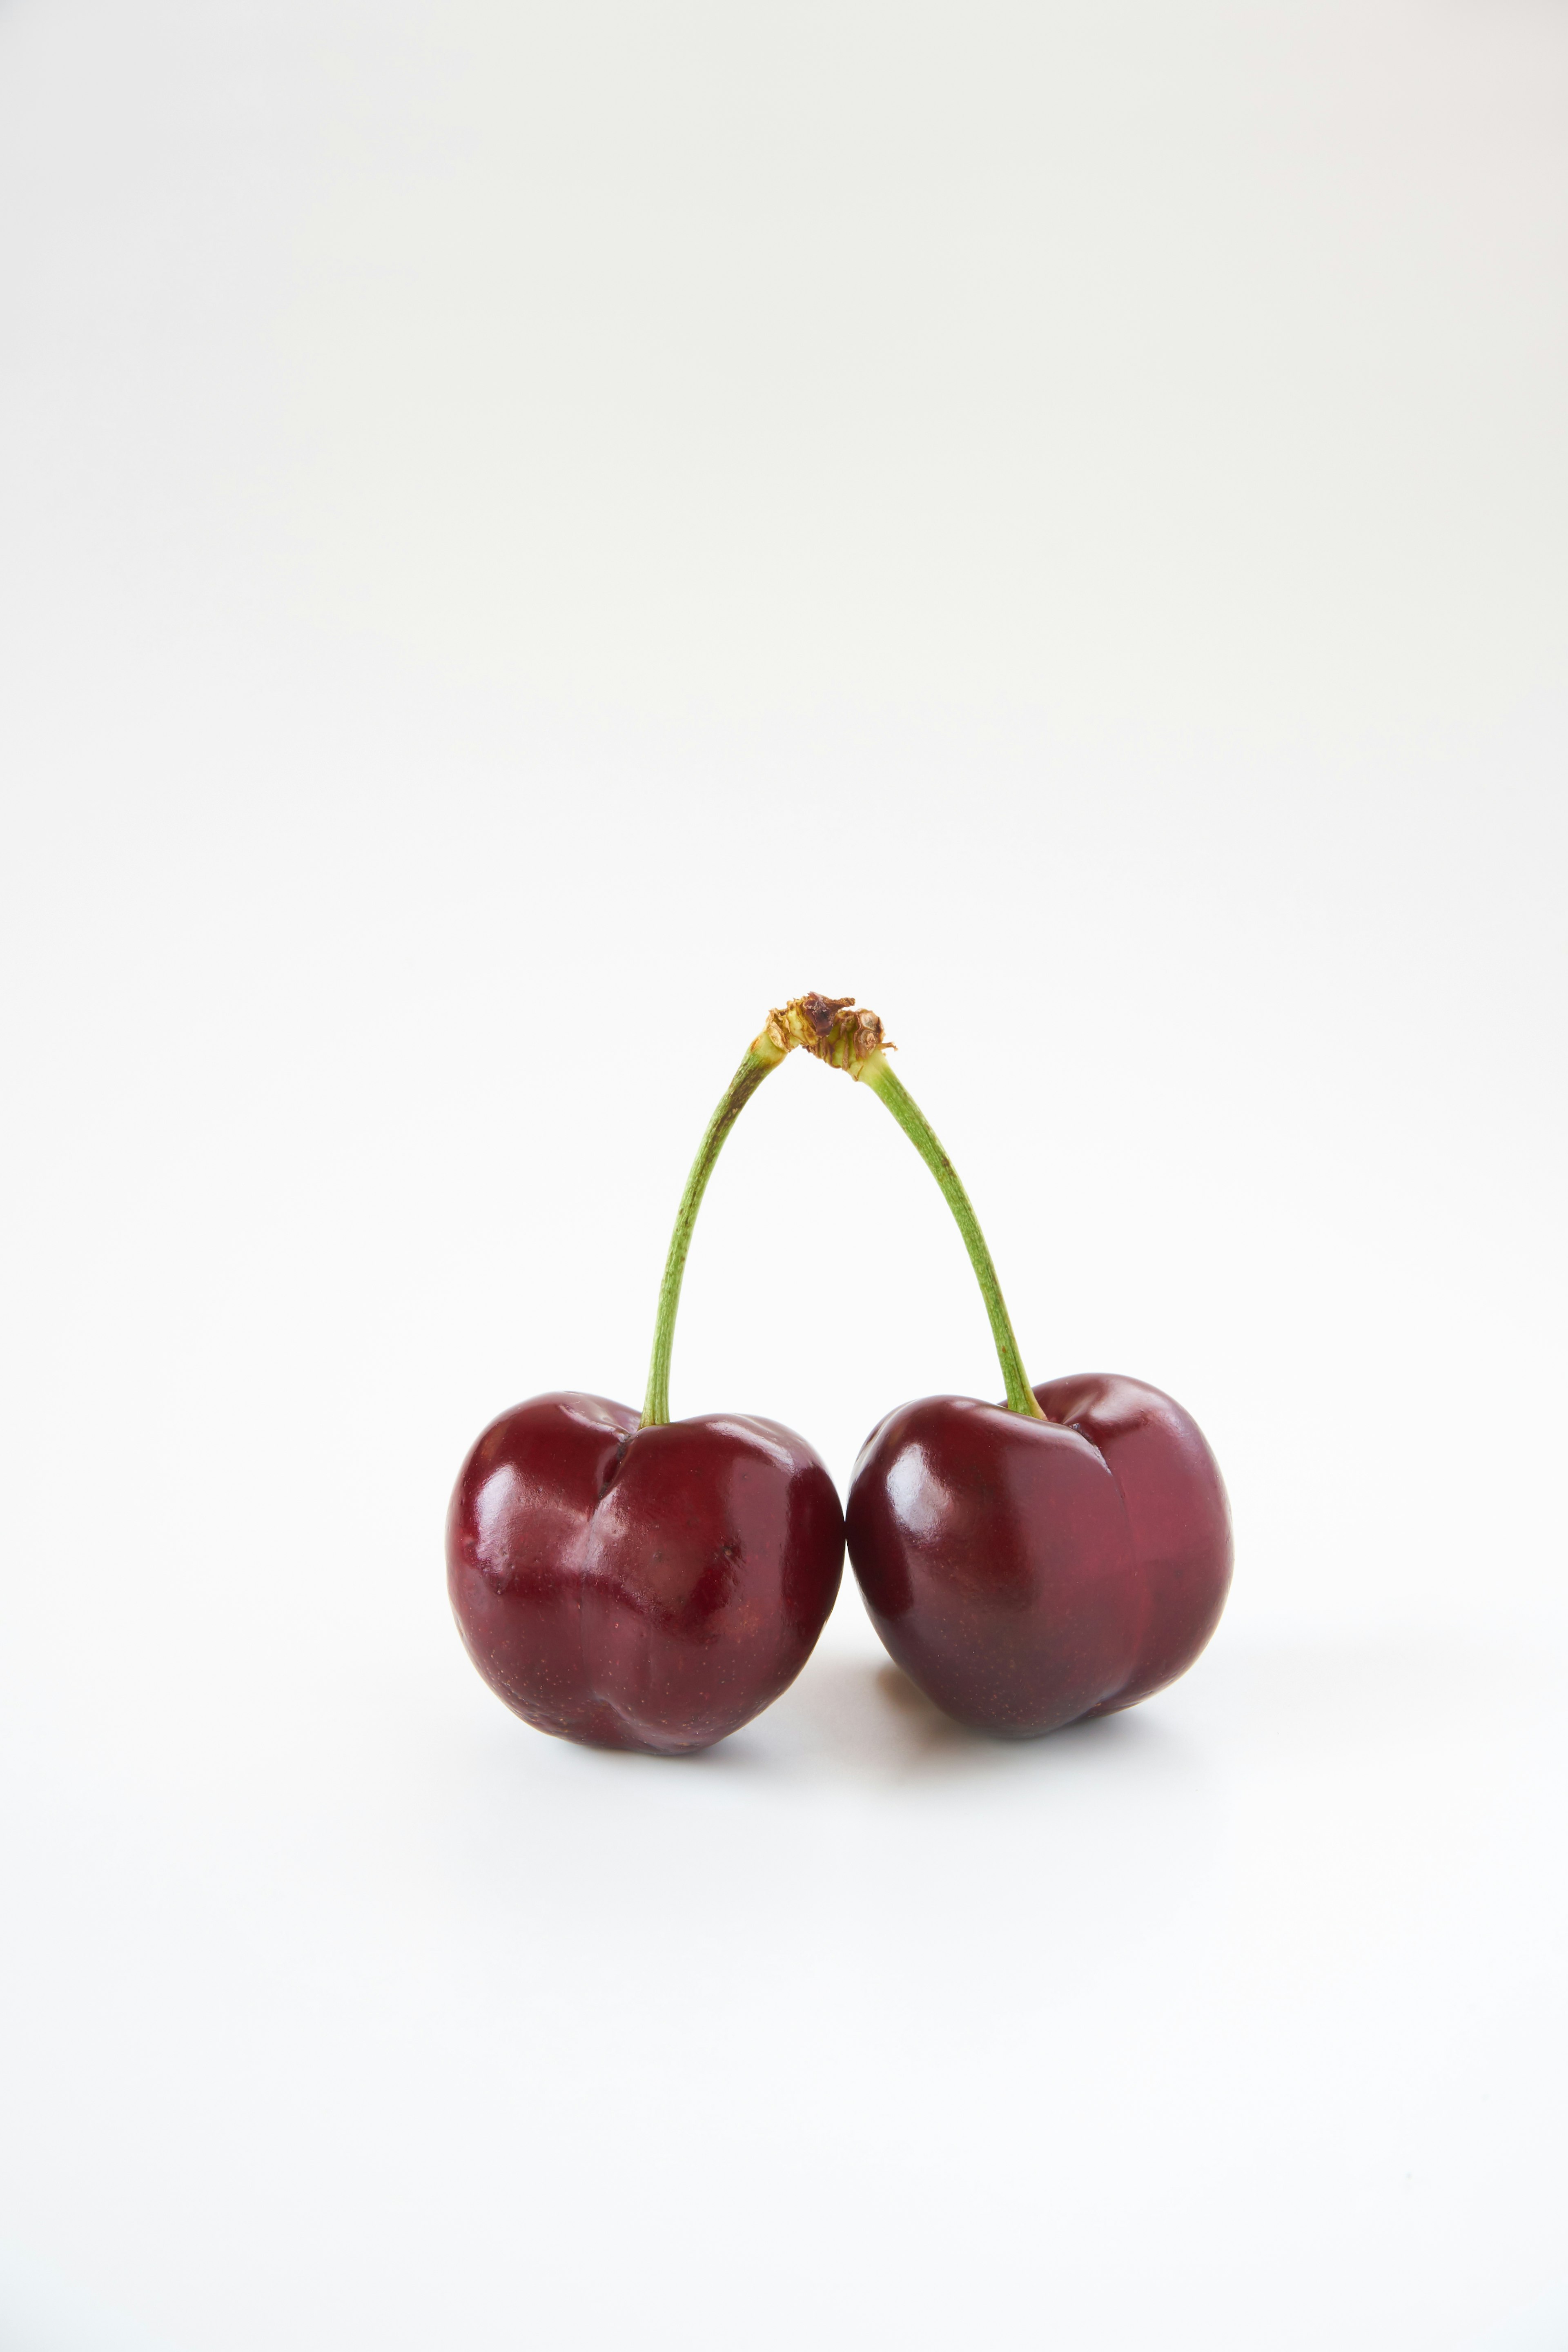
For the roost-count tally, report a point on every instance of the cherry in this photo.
(640, 1587)
(634, 1582)
(631, 1581)
(1064, 1555)
(1025, 1573)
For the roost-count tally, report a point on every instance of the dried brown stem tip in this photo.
(830, 1027)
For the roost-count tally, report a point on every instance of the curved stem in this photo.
(763, 1056)
(877, 1075)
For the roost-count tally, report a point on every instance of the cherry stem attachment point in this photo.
(833, 1030)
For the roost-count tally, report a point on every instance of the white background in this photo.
(531, 533)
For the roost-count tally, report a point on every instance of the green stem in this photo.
(762, 1056)
(877, 1075)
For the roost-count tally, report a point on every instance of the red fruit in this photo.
(649, 1588)
(1025, 1573)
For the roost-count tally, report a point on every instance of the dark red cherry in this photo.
(640, 1588)
(1024, 1572)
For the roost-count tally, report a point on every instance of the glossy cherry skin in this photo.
(640, 1588)
(1025, 1573)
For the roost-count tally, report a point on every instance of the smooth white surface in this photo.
(529, 535)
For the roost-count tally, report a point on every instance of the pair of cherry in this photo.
(632, 1581)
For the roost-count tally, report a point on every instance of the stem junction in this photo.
(834, 1030)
